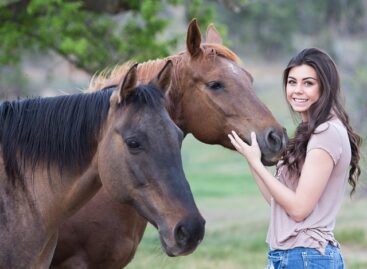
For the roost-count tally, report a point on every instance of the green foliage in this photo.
(139, 33)
(62, 26)
(205, 13)
(271, 25)
(268, 26)
(91, 41)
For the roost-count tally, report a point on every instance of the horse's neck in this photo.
(81, 189)
(45, 197)
(149, 70)
(31, 214)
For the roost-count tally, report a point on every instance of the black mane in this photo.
(61, 131)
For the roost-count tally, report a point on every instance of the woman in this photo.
(307, 191)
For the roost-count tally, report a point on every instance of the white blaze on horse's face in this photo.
(234, 68)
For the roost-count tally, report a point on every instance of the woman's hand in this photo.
(251, 152)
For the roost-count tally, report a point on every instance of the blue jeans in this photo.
(306, 258)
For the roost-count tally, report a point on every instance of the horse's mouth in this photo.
(178, 251)
(268, 162)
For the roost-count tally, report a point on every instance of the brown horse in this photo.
(209, 96)
(57, 152)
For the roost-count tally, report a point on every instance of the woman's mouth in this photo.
(300, 100)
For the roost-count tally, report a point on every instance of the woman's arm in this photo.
(262, 187)
(315, 173)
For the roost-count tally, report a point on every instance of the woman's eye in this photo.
(308, 83)
(215, 85)
(291, 82)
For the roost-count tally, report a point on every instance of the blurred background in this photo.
(53, 47)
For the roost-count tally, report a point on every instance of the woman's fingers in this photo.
(233, 141)
(251, 152)
(253, 138)
(238, 143)
(238, 139)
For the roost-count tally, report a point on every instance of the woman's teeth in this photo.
(298, 100)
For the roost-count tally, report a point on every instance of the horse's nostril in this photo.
(189, 233)
(273, 140)
(181, 235)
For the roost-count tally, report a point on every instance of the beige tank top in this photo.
(316, 231)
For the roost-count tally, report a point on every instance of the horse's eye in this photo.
(215, 85)
(133, 144)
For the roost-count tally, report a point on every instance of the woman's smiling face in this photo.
(302, 89)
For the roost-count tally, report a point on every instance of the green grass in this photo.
(237, 217)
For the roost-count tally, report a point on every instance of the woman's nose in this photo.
(298, 88)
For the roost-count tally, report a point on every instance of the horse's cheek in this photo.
(110, 166)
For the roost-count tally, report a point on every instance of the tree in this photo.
(271, 25)
(84, 32)
(91, 35)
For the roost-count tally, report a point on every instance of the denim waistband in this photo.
(329, 248)
(303, 257)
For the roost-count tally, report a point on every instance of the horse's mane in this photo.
(61, 131)
(149, 69)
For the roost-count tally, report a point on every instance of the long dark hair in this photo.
(320, 112)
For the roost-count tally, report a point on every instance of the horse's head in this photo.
(139, 162)
(218, 97)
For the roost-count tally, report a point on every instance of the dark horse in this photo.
(210, 95)
(57, 152)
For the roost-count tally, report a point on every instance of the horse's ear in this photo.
(128, 84)
(163, 79)
(212, 35)
(193, 39)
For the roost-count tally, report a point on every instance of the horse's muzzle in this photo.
(272, 145)
(187, 234)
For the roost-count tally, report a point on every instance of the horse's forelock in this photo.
(145, 95)
(222, 51)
